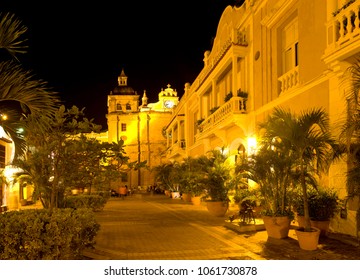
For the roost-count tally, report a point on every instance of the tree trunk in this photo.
(307, 226)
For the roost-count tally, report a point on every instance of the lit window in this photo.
(290, 43)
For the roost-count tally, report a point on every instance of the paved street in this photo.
(155, 227)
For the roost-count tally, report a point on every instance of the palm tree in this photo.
(307, 140)
(23, 97)
(351, 130)
(271, 170)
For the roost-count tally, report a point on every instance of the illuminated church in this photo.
(141, 126)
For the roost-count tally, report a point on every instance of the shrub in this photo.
(96, 202)
(43, 234)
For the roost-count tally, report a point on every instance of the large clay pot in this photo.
(186, 197)
(217, 208)
(277, 227)
(308, 240)
(196, 200)
(322, 225)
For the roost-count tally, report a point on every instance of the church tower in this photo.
(141, 128)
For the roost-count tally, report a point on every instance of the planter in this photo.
(217, 208)
(322, 225)
(23, 202)
(277, 227)
(167, 193)
(175, 195)
(196, 200)
(308, 240)
(186, 197)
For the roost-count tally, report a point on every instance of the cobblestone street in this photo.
(155, 227)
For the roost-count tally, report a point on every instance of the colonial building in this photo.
(141, 126)
(269, 53)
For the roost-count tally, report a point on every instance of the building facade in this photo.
(141, 126)
(270, 53)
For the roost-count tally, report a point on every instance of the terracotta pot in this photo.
(186, 197)
(196, 200)
(217, 208)
(322, 225)
(277, 227)
(308, 240)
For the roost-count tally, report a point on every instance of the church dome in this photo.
(122, 88)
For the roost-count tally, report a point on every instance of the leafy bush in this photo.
(43, 234)
(96, 202)
(323, 204)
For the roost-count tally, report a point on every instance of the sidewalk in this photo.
(154, 227)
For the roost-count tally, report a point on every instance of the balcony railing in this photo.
(346, 23)
(236, 105)
(344, 31)
(289, 80)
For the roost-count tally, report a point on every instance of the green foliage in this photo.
(228, 96)
(218, 179)
(214, 109)
(190, 174)
(273, 173)
(306, 142)
(242, 94)
(246, 196)
(350, 134)
(24, 99)
(64, 158)
(166, 175)
(60, 234)
(95, 202)
(323, 204)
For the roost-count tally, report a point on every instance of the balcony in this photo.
(178, 148)
(226, 114)
(289, 80)
(344, 31)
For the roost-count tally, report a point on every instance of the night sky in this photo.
(80, 49)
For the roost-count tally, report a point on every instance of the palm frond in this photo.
(11, 32)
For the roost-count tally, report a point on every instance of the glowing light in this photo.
(252, 144)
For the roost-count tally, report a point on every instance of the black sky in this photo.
(80, 47)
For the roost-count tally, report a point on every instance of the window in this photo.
(123, 127)
(128, 106)
(118, 107)
(290, 46)
(2, 156)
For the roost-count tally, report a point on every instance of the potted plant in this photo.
(190, 175)
(323, 205)
(217, 180)
(271, 171)
(166, 177)
(306, 140)
(228, 97)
